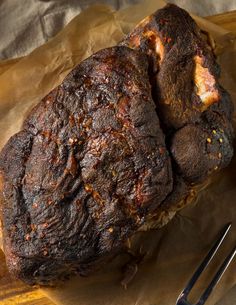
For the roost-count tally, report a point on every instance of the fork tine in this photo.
(217, 277)
(206, 261)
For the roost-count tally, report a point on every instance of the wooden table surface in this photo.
(14, 292)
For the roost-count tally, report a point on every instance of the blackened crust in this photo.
(87, 168)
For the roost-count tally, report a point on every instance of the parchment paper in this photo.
(173, 252)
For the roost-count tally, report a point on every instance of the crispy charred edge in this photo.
(21, 144)
(52, 273)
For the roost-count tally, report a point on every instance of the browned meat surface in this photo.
(183, 69)
(121, 143)
(194, 110)
(88, 166)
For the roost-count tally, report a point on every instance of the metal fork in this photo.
(182, 299)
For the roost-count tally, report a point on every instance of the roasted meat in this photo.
(195, 112)
(121, 144)
(88, 166)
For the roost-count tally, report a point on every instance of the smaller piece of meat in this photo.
(183, 69)
(195, 112)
